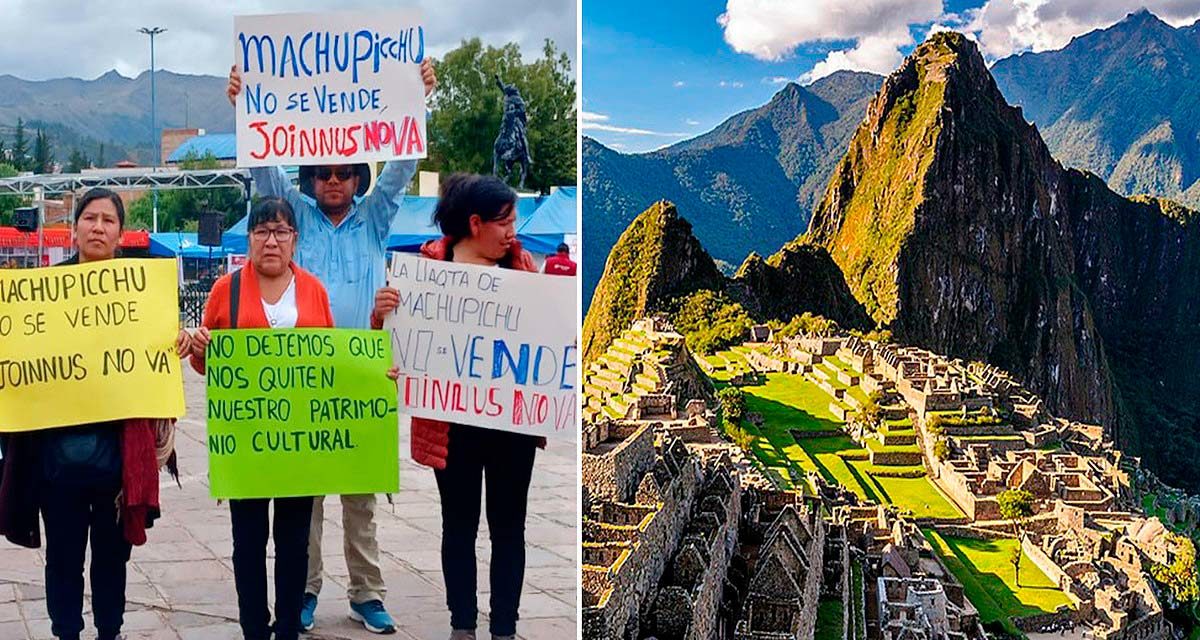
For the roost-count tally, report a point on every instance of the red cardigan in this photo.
(312, 304)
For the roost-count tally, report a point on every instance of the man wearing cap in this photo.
(343, 241)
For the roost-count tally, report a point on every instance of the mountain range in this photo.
(1120, 102)
(748, 184)
(949, 221)
(113, 110)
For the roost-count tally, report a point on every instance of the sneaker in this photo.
(509, 637)
(373, 616)
(308, 612)
(462, 634)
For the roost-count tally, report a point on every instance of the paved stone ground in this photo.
(181, 581)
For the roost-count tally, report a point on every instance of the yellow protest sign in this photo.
(89, 343)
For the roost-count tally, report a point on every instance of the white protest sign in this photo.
(330, 88)
(484, 346)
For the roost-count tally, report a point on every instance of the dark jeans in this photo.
(70, 513)
(506, 461)
(250, 528)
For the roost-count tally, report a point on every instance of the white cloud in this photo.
(1004, 27)
(691, 123)
(679, 84)
(773, 29)
(93, 37)
(777, 80)
(596, 122)
(730, 85)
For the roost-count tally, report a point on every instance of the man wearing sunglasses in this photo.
(343, 241)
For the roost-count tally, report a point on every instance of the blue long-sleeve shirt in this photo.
(349, 259)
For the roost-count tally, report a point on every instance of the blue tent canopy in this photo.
(234, 238)
(555, 217)
(171, 244)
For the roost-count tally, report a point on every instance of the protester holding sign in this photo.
(476, 215)
(98, 480)
(343, 242)
(271, 291)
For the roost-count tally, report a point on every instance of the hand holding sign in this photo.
(483, 346)
(330, 88)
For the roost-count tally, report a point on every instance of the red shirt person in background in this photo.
(560, 264)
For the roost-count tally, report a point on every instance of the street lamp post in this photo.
(153, 31)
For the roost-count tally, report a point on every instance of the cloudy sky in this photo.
(42, 39)
(683, 66)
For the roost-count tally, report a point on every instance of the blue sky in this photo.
(655, 73)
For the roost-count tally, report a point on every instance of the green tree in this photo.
(808, 324)
(1015, 506)
(1179, 577)
(8, 203)
(468, 106)
(1015, 558)
(179, 209)
(733, 404)
(710, 322)
(100, 156)
(78, 161)
(43, 157)
(20, 148)
(941, 450)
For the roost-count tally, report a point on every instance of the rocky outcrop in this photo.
(655, 260)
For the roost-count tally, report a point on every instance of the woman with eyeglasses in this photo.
(270, 291)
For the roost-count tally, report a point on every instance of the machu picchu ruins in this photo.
(859, 497)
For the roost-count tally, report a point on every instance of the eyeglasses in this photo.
(282, 234)
(343, 173)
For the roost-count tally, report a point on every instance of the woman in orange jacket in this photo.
(477, 216)
(269, 292)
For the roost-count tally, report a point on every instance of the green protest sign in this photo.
(301, 412)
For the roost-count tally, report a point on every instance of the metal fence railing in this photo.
(192, 298)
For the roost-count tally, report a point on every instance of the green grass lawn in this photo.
(823, 454)
(829, 620)
(984, 569)
(788, 401)
(915, 494)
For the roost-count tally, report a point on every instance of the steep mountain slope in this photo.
(1121, 102)
(956, 228)
(655, 260)
(748, 184)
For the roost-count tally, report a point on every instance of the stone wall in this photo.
(1048, 567)
(896, 458)
(673, 484)
(614, 475)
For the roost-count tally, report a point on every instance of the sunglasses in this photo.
(343, 173)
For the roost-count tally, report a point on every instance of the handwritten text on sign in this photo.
(330, 88)
(89, 343)
(484, 346)
(300, 412)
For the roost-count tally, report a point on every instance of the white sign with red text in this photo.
(330, 88)
(485, 346)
